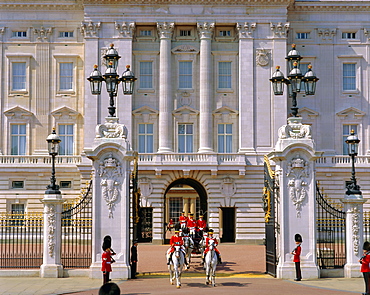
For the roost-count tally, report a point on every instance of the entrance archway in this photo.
(187, 195)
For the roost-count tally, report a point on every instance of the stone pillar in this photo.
(165, 31)
(295, 157)
(353, 206)
(205, 30)
(51, 266)
(246, 88)
(111, 155)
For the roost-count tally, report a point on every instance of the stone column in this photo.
(205, 31)
(246, 88)
(111, 155)
(165, 31)
(51, 266)
(353, 206)
(295, 157)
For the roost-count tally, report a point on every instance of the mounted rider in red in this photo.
(215, 243)
(175, 240)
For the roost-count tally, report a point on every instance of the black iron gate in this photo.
(331, 233)
(77, 232)
(269, 191)
(145, 225)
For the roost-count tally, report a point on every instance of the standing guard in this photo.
(297, 259)
(365, 269)
(183, 220)
(191, 225)
(215, 243)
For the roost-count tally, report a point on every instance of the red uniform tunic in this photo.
(191, 224)
(106, 261)
(208, 239)
(365, 263)
(297, 253)
(175, 241)
(183, 219)
(201, 224)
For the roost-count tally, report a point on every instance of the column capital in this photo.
(125, 29)
(280, 30)
(90, 29)
(245, 30)
(165, 30)
(205, 29)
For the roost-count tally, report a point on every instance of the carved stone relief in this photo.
(246, 29)
(111, 129)
(280, 30)
(146, 189)
(228, 189)
(111, 174)
(355, 228)
(297, 172)
(90, 29)
(51, 229)
(42, 34)
(295, 129)
(262, 57)
(125, 29)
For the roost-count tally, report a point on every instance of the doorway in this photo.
(228, 224)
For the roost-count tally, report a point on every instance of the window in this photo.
(185, 138)
(18, 76)
(224, 33)
(185, 74)
(348, 35)
(225, 138)
(65, 184)
(17, 184)
(176, 208)
(349, 76)
(346, 132)
(303, 36)
(66, 135)
(145, 33)
(146, 74)
(145, 138)
(66, 76)
(185, 33)
(18, 139)
(19, 34)
(224, 74)
(66, 34)
(17, 214)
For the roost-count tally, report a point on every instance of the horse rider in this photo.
(176, 240)
(215, 243)
(201, 225)
(191, 225)
(183, 219)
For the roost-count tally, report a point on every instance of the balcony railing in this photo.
(342, 161)
(38, 160)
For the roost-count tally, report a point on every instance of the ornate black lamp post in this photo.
(352, 141)
(112, 79)
(53, 148)
(294, 80)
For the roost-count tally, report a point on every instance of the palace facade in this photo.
(203, 113)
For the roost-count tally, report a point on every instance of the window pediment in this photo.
(146, 113)
(64, 113)
(308, 113)
(185, 49)
(351, 113)
(18, 113)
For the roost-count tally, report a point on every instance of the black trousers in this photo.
(105, 277)
(367, 281)
(133, 270)
(298, 273)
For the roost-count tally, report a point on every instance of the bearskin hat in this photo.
(366, 246)
(298, 238)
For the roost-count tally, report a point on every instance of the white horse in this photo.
(202, 244)
(176, 265)
(211, 264)
(189, 246)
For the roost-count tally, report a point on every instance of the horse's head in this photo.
(211, 245)
(177, 250)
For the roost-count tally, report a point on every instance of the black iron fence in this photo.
(21, 240)
(331, 234)
(77, 232)
(366, 226)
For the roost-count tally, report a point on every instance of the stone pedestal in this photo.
(295, 156)
(353, 206)
(51, 266)
(111, 155)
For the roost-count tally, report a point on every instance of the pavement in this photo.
(242, 272)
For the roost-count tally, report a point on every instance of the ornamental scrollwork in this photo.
(355, 228)
(111, 174)
(51, 228)
(297, 186)
(111, 129)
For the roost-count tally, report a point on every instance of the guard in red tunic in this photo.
(191, 225)
(183, 219)
(365, 269)
(296, 258)
(175, 240)
(106, 266)
(215, 243)
(201, 225)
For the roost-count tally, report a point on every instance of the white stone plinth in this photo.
(51, 271)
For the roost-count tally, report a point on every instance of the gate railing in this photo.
(21, 240)
(77, 232)
(366, 225)
(331, 234)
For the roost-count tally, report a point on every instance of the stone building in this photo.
(203, 113)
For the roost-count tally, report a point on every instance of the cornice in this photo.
(191, 2)
(41, 4)
(344, 6)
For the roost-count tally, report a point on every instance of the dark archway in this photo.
(199, 189)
